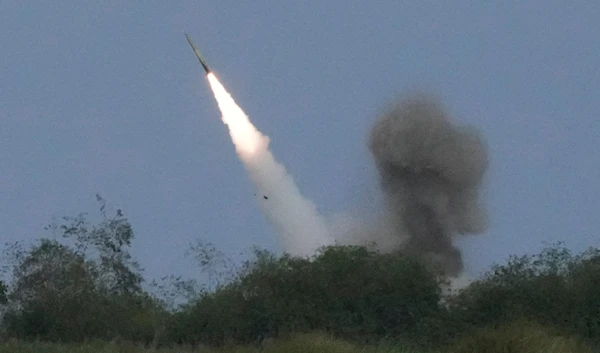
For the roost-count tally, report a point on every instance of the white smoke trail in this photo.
(301, 228)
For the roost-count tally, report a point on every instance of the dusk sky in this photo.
(107, 97)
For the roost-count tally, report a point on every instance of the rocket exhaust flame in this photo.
(246, 138)
(301, 228)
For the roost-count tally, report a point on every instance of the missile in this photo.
(198, 55)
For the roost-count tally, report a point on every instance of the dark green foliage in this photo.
(519, 336)
(90, 289)
(553, 288)
(347, 291)
(83, 285)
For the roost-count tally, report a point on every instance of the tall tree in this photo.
(82, 284)
(107, 245)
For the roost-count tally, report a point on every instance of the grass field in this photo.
(513, 339)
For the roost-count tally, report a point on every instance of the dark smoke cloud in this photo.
(431, 171)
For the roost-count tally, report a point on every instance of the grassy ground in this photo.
(513, 339)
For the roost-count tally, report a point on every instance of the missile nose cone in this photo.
(197, 52)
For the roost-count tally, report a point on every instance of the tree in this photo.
(106, 244)
(54, 290)
(219, 269)
(349, 292)
(85, 286)
(554, 288)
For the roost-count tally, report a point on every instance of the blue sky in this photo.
(107, 97)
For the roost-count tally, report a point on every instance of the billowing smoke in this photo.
(430, 171)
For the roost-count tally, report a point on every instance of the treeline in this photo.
(83, 284)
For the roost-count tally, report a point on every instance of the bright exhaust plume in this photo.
(301, 228)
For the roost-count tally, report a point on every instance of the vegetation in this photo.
(348, 292)
(523, 338)
(82, 285)
(554, 288)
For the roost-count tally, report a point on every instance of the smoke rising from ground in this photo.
(430, 172)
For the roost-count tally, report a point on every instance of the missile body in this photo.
(198, 55)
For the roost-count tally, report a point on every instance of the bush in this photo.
(554, 288)
(520, 337)
(348, 292)
(313, 343)
(87, 286)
